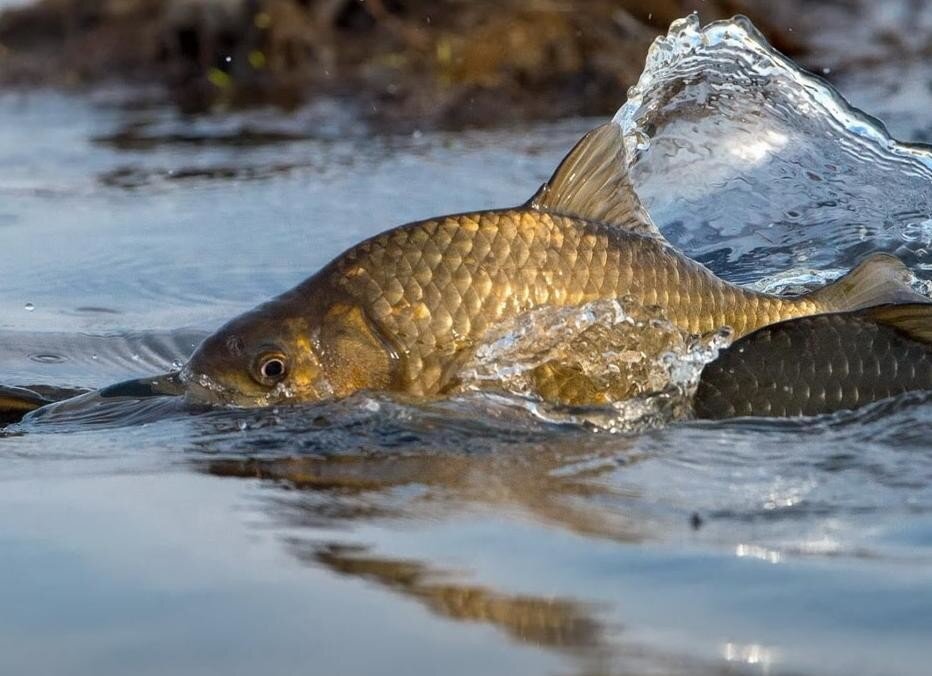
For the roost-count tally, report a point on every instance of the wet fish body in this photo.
(403, 310)
(821, 364)
(432, 290)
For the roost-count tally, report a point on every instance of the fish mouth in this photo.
(200, 389)
(165, 385)
(196, 389)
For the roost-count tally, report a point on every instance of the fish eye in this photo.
(270, 368)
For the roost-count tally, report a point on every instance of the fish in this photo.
(18, 402)
(402, 311)
(820, 364)
(15, 402)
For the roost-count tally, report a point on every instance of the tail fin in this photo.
(880, 279)
(912, 319)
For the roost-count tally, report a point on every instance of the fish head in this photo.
(265, 357)
(289, 351)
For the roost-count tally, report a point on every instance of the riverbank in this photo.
(446, 63)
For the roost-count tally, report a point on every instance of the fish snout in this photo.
(203, 376)
(167, 385)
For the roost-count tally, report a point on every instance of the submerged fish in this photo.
(15, 402)
(405, 309)
(821, 364)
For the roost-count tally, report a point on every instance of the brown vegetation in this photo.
(442, 62)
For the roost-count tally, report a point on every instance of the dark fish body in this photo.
(821, 364)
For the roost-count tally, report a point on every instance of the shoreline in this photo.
(447, 64)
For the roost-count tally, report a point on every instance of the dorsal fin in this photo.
(912, 319)
(592, 183)
(879, 279)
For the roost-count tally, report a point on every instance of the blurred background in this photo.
(424, 63)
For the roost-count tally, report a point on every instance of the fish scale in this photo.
(468, 273)
(821, 364)
(405, 309)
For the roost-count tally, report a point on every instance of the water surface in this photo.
(464, 536)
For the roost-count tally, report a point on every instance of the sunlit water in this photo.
(477, 534)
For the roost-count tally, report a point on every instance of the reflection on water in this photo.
(554, 486)
(552, 623)
(475, 534)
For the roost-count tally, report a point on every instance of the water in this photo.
(768, 160)
(466, 535)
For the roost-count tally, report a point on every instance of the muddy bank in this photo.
(444, 63)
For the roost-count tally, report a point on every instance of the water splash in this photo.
(614, 365)
(773, 168)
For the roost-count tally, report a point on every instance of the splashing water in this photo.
(772, 168)
(624, 363)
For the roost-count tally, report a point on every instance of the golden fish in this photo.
(403, 310)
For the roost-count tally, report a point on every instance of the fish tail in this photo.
(879, 279)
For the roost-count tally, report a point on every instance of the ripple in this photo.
(89, 360)
(47, 358)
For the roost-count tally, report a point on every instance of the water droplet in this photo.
(826, 71)
(643, 141)
(177, 364)
(136, 357)
(29, 307)
(243, 425)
